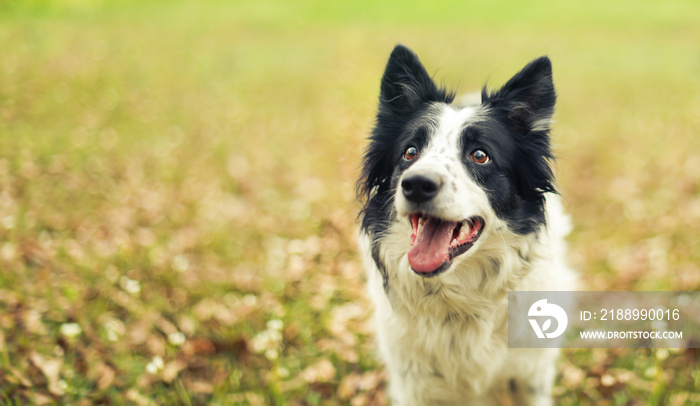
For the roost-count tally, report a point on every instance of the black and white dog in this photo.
(460, 207)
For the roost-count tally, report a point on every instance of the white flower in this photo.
(180, 263)
(177, 338)
(9, 222)
(71, 330)
(115, 329)
(275, 324)
(250, 300)
(662, 354)
(7, 252)
(265, 340)
(155, 365)
(130, 285)
(112, 336)
(282, 372)
(271, 354)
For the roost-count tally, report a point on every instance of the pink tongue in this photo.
(431, 248)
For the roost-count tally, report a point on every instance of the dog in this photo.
(459, 207)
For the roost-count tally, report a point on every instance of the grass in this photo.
(177, 210)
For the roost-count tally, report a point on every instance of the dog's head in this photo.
(457, 174)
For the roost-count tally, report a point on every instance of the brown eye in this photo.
(410, 154)
(480, 157)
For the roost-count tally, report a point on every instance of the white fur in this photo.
(445, 339)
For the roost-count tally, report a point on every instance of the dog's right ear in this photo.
(406, 84)
(405, 88)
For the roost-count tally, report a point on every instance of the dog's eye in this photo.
(410, 154)
(480, 157)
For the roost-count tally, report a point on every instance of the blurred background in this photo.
(177, 187)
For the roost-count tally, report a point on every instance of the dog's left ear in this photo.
(527, 98)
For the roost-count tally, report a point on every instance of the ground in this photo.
(177, 187)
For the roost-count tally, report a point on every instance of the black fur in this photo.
(516, 179)
(521, 153)
(406, 91)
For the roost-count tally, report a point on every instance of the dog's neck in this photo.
(473, 288)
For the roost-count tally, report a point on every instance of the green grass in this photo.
(175, 170)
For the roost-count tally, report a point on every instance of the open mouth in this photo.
(436, 242)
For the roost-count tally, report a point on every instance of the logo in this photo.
(543, 309)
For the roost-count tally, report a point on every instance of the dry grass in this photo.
(177, 205)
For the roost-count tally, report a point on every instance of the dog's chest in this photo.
(455, 351)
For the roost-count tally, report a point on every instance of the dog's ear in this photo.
(527, 98)
(406, 84)
(405, 88)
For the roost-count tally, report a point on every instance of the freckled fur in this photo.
(444, 338)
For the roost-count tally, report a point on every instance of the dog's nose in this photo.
(420, 188)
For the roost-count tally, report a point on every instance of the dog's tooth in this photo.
(421, 223)
(456, 241)
(462, 234)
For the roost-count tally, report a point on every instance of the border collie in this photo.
(460, 207)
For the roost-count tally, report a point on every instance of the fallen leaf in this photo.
(344, 351)
(106, 376)
(372, 380)
(33, 253)
(39, 399)
(572, 376)
(166, 326)
(51, 368)
(255, 399)
(322, 371)
(200, 387)
(16, 376)
(172, 369)
(199, 346)
(32, 322)
(349, 386)
(136, 397)
(362, 399)
(3, 344)
(607, 380)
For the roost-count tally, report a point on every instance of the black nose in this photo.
(421, 188)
